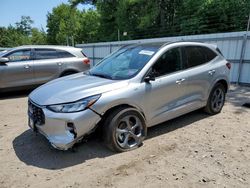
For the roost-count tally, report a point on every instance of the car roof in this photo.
(159, 45)
(46, 46)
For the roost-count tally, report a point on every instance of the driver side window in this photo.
(20, 55)
(168, 63)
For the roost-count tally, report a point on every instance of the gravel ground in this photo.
(195, 150)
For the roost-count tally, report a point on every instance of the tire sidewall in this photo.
(114, 123)
(211, 109)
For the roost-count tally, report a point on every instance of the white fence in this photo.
(235, 47)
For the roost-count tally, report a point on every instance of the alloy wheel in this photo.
(129, 132)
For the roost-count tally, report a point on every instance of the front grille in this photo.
(36, 113)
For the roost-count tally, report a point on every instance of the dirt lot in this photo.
(194, 150)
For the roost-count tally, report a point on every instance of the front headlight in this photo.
(77, 106)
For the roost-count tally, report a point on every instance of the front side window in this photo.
(168, 63)
(46, 54)
(125, 63)
(20, 55)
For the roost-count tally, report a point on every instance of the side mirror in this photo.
(4, 60)
(149, 77)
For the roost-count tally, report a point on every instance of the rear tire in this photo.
(124, 129)
(216, 99)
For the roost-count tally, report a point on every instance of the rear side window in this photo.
(46, 54)
(64, 54)
(210, 55)
(20, 55)
(197, 55)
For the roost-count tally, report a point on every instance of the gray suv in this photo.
(136, 87)
(26, 66)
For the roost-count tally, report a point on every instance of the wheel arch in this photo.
(224, 83)
(110, 109)
(122, 105)
(68, 70)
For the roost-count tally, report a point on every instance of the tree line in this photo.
(110, 20)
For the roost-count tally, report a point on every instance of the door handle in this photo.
(59, 63)
(211, 72)
(180, 81)
(26, 66)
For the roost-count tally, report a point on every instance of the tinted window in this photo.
(46, 54)
(64, 54)
(20, 55)
(208, 53)
(197, 55)
(168, 62)
(194, 56)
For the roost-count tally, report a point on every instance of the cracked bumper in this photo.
(55, 127)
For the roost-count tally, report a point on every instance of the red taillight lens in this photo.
(86, 61)
(228, 65)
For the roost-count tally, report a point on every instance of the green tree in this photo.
(38, 36)
(21, 34)
(108, 24)
(89, 27)
(62, 23)
(24, 26)
(146, 19)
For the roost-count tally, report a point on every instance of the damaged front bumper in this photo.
(62, 130)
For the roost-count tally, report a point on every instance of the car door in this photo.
(18, 71)
(199, 72)
(47, 65)
(165, 97)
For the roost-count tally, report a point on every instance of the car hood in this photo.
(72, 88)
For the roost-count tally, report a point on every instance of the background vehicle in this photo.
(27, 66)
(134, 88)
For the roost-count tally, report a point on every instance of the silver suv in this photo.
(134, 88)
(34, 65)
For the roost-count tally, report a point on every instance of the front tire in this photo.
(124, 129)
(216, 99)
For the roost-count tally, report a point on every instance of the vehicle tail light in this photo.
(86, 61)
(228, 65)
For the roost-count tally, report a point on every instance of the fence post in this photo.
(242, 55)
(243, 49)
(93, 56)
(110, 48)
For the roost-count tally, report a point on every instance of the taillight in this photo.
(86, 61)
(228, 65)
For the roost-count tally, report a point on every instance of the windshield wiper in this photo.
(100, 75)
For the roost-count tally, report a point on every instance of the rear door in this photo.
(199, 62)
(19, 70)
(47, 65)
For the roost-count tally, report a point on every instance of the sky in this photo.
(12, 10)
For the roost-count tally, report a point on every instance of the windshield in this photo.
(124, 63)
